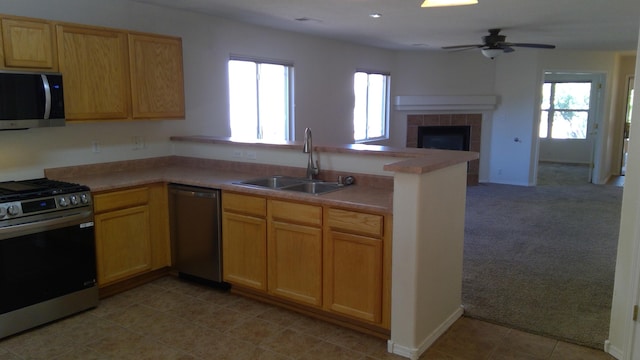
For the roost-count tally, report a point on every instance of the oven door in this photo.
(47, 259)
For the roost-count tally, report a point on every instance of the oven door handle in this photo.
(82, 219)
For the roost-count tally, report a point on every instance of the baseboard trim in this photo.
(415, 353)
(612, 350)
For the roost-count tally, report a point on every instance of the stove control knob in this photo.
(73, 199)
(13, 210)
(3, 211)
(84, 199)
(63, 202)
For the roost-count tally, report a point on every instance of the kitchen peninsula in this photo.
(420, 191)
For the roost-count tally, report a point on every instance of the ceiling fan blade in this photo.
(537, 46)
(461, 47)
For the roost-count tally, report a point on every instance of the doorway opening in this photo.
(568, 127)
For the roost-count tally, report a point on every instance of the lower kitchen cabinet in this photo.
(295, 252)
(132, 235)
(354, 265)
(335, 263)
(244, 240)
(353, 272)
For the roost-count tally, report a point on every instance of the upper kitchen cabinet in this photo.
(109, 74)
(28, 44)
(157, 85)
(95, 66)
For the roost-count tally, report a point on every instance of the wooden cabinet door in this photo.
(295, 262)
(353, 271)
(157, 81)
(244, 250)
(95, 65)
(28, 44)
(123, 243)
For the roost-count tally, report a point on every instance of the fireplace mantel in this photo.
(445, 102)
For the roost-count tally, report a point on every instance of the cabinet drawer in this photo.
(357, 222)
(299, 213)
(244, 204)
(120, 199)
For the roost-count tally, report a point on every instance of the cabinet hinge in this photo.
(635, 313)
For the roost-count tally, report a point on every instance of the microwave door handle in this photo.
(47, 96)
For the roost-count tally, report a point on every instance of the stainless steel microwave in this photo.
(30, 100)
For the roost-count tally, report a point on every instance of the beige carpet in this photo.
(542, 259)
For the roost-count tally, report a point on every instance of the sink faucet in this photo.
(312, 169)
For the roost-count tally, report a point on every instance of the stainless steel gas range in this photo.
(47, 253)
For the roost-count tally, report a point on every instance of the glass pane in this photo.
(376, 106)
(243, 99)
(273, 102)
(574, 96)
(546, 96)
(544, 124)
(569, 125)
(360, 81)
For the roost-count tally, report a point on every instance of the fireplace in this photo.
(450, 132)
(444, 137)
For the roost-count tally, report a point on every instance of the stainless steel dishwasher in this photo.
(195, 232)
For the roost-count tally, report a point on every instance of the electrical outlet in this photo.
(138, 143)
(95, 146)
(251, 155)
(237, 153)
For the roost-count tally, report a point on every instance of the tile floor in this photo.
(173, 319)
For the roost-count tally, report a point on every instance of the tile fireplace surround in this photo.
(414, 121)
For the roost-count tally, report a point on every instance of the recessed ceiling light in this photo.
(304, 19)
(376, 15)
(435, 3)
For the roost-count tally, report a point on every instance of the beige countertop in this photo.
(410, 160)
(223, 175)
(110, 177)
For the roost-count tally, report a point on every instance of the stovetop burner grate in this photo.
(34, 188)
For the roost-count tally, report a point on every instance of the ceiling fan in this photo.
(495, 44)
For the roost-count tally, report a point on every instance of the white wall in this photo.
(518, 85)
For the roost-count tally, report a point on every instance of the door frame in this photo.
(595, 120)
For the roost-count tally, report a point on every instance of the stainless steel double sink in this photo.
(278, 182)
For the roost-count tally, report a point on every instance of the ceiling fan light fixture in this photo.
(492, 53)
(437, 3)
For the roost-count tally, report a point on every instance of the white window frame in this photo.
(289, 121)
(578, 77)
(385, 111)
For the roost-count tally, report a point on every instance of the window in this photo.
(565, 110)
(260, 100)
(370, 113)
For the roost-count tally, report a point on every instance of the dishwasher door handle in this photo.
(200, 194)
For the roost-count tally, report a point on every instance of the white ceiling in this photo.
(568, 24)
